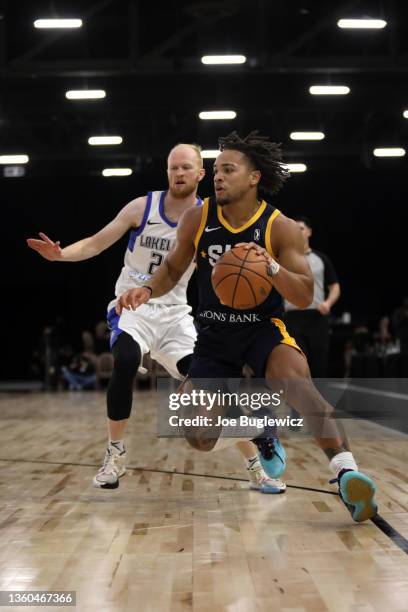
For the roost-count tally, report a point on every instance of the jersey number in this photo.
(156, 261)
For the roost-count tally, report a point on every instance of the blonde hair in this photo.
(196, 148)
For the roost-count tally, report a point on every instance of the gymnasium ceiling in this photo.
(146, 55)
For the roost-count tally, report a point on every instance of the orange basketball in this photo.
(240, 279)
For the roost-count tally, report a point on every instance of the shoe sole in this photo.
(108, 485)
(358, 491)
(267, 491)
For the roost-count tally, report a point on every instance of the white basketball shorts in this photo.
(166, 331)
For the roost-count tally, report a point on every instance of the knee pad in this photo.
(127, 356)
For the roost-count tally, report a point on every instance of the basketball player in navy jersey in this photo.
(227, 338)
(164, 326)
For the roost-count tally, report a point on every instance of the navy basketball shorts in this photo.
(222, 352)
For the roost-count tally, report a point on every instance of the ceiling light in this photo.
(14, 159)
(307, 136)
(329, 90)
(210, 153)
(105, 140)
(389, 152)
(117, 172)
(223, 59)
(365, 24)
(85, 94)
(217, 115)
(405, 114)
(57, 23)
(296, 167)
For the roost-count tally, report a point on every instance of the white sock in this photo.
(343, 461)
(118, 445)
(254, 466)
(252, 462)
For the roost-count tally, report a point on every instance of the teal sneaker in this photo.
(272, 456)
(357, 492)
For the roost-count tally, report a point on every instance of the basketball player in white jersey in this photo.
(164, 326)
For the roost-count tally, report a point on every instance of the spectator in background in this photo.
(361, 343)
(102, 337)
(80, 372)
(310, 326)
(384, 344)
(400, 325)
(88, 345)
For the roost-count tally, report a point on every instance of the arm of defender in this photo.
(130, 216)
(172, 269)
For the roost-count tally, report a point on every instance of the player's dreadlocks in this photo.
(266, 156)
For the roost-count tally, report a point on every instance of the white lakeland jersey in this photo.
(148, 246)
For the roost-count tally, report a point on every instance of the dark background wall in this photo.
(147, 57)
(358, 217)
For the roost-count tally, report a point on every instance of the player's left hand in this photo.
(324, 308)
(258, 249)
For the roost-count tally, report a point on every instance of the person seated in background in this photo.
(400, 325)
(88, 345)
(81, 373)
(384, 342)
(102, 337)
(361, 343)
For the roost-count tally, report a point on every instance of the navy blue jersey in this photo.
(215, 236)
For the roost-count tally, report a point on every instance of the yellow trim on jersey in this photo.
(286, 339)
(268, 244)
(204, 216)
(236, 230)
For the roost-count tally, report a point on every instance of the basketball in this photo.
(240, 279)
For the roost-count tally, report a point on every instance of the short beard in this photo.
(223, 200)
(181, 195)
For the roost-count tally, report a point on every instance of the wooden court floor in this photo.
(183, 532)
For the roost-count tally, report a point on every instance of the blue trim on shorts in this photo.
(136, 232)
(113, 324)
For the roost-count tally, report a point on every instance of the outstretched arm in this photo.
(172, 269)
(130, 216)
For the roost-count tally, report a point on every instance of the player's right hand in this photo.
(47, 248)
(132, 299)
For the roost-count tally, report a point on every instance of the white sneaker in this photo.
(112, 469)
(260, 481)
